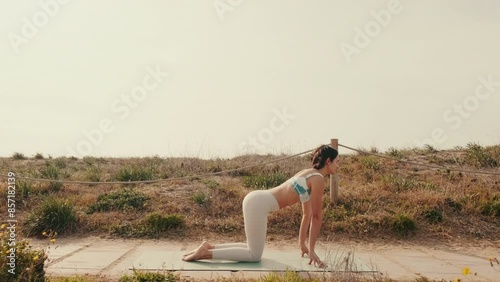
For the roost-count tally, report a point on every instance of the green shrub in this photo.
(433, 216)
(93, 173)
(476, 155)
(75, 278)
(60, 162)
(264, 181)
(39, 156)
(29, 262)
(89, 160)
(24, 190)
(288, 276)
(369, 175)
(135, 173)
(393, 152)
(52, 172)
(456, 206)
(399, 183)
(138, 276)
(158, 223)
(51, 215)
(123, 199)
(403, 225)
(430, 149)
(370, 162)
(200, 198)
(340, 212)
(18, 156)
(211, 184)
(491, 207)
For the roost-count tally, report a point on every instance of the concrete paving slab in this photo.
(271, 261)
(385, 266)
(479, 267)
(116, 257)
(444, 265)
(90, 260)
(57, 252)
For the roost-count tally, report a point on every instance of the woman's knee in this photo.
(255, 256)
(255, 259)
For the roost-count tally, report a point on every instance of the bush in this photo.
(75, 278)
(52, 172)
(18, 156)
(25, 189)
(264, 181)
(491, 207)
(39, 156)
(393, 152)
(476, 155)
(370, 162)
(456, 206)
(433, 216)
(138, 276)
(124, 199)
(135, 173)
(60, 162)
(51, 215)
(211, 184)
(28, 262)
(158, 223)
(403, 225)
(288, 276)
(399, 183)
(430, 149)
(93, 173)
(200, 198)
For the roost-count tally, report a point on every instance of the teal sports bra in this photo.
(299, 184)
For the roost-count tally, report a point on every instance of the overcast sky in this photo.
(222, 78)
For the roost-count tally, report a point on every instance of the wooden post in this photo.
(334, 188)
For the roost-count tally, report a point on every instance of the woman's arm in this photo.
(316, 201)
(304, 225)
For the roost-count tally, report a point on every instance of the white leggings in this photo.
(256, 206)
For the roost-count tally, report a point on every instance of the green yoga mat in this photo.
(271, 261)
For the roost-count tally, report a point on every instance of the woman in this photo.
(306, 186)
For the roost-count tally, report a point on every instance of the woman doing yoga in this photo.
(306, 186)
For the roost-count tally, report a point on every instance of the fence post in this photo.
(334, 188)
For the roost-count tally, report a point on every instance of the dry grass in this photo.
(375, 194)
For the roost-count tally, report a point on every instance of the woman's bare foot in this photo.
(204, 244)
(201, 253)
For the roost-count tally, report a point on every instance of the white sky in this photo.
(231, 71)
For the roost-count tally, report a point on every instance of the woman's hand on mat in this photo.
(315, 260)
(304, 250)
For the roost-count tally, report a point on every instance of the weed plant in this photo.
(53, 215)
(122, 200)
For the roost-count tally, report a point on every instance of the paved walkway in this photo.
(114, 258)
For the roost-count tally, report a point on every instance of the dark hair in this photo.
(321, 154)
